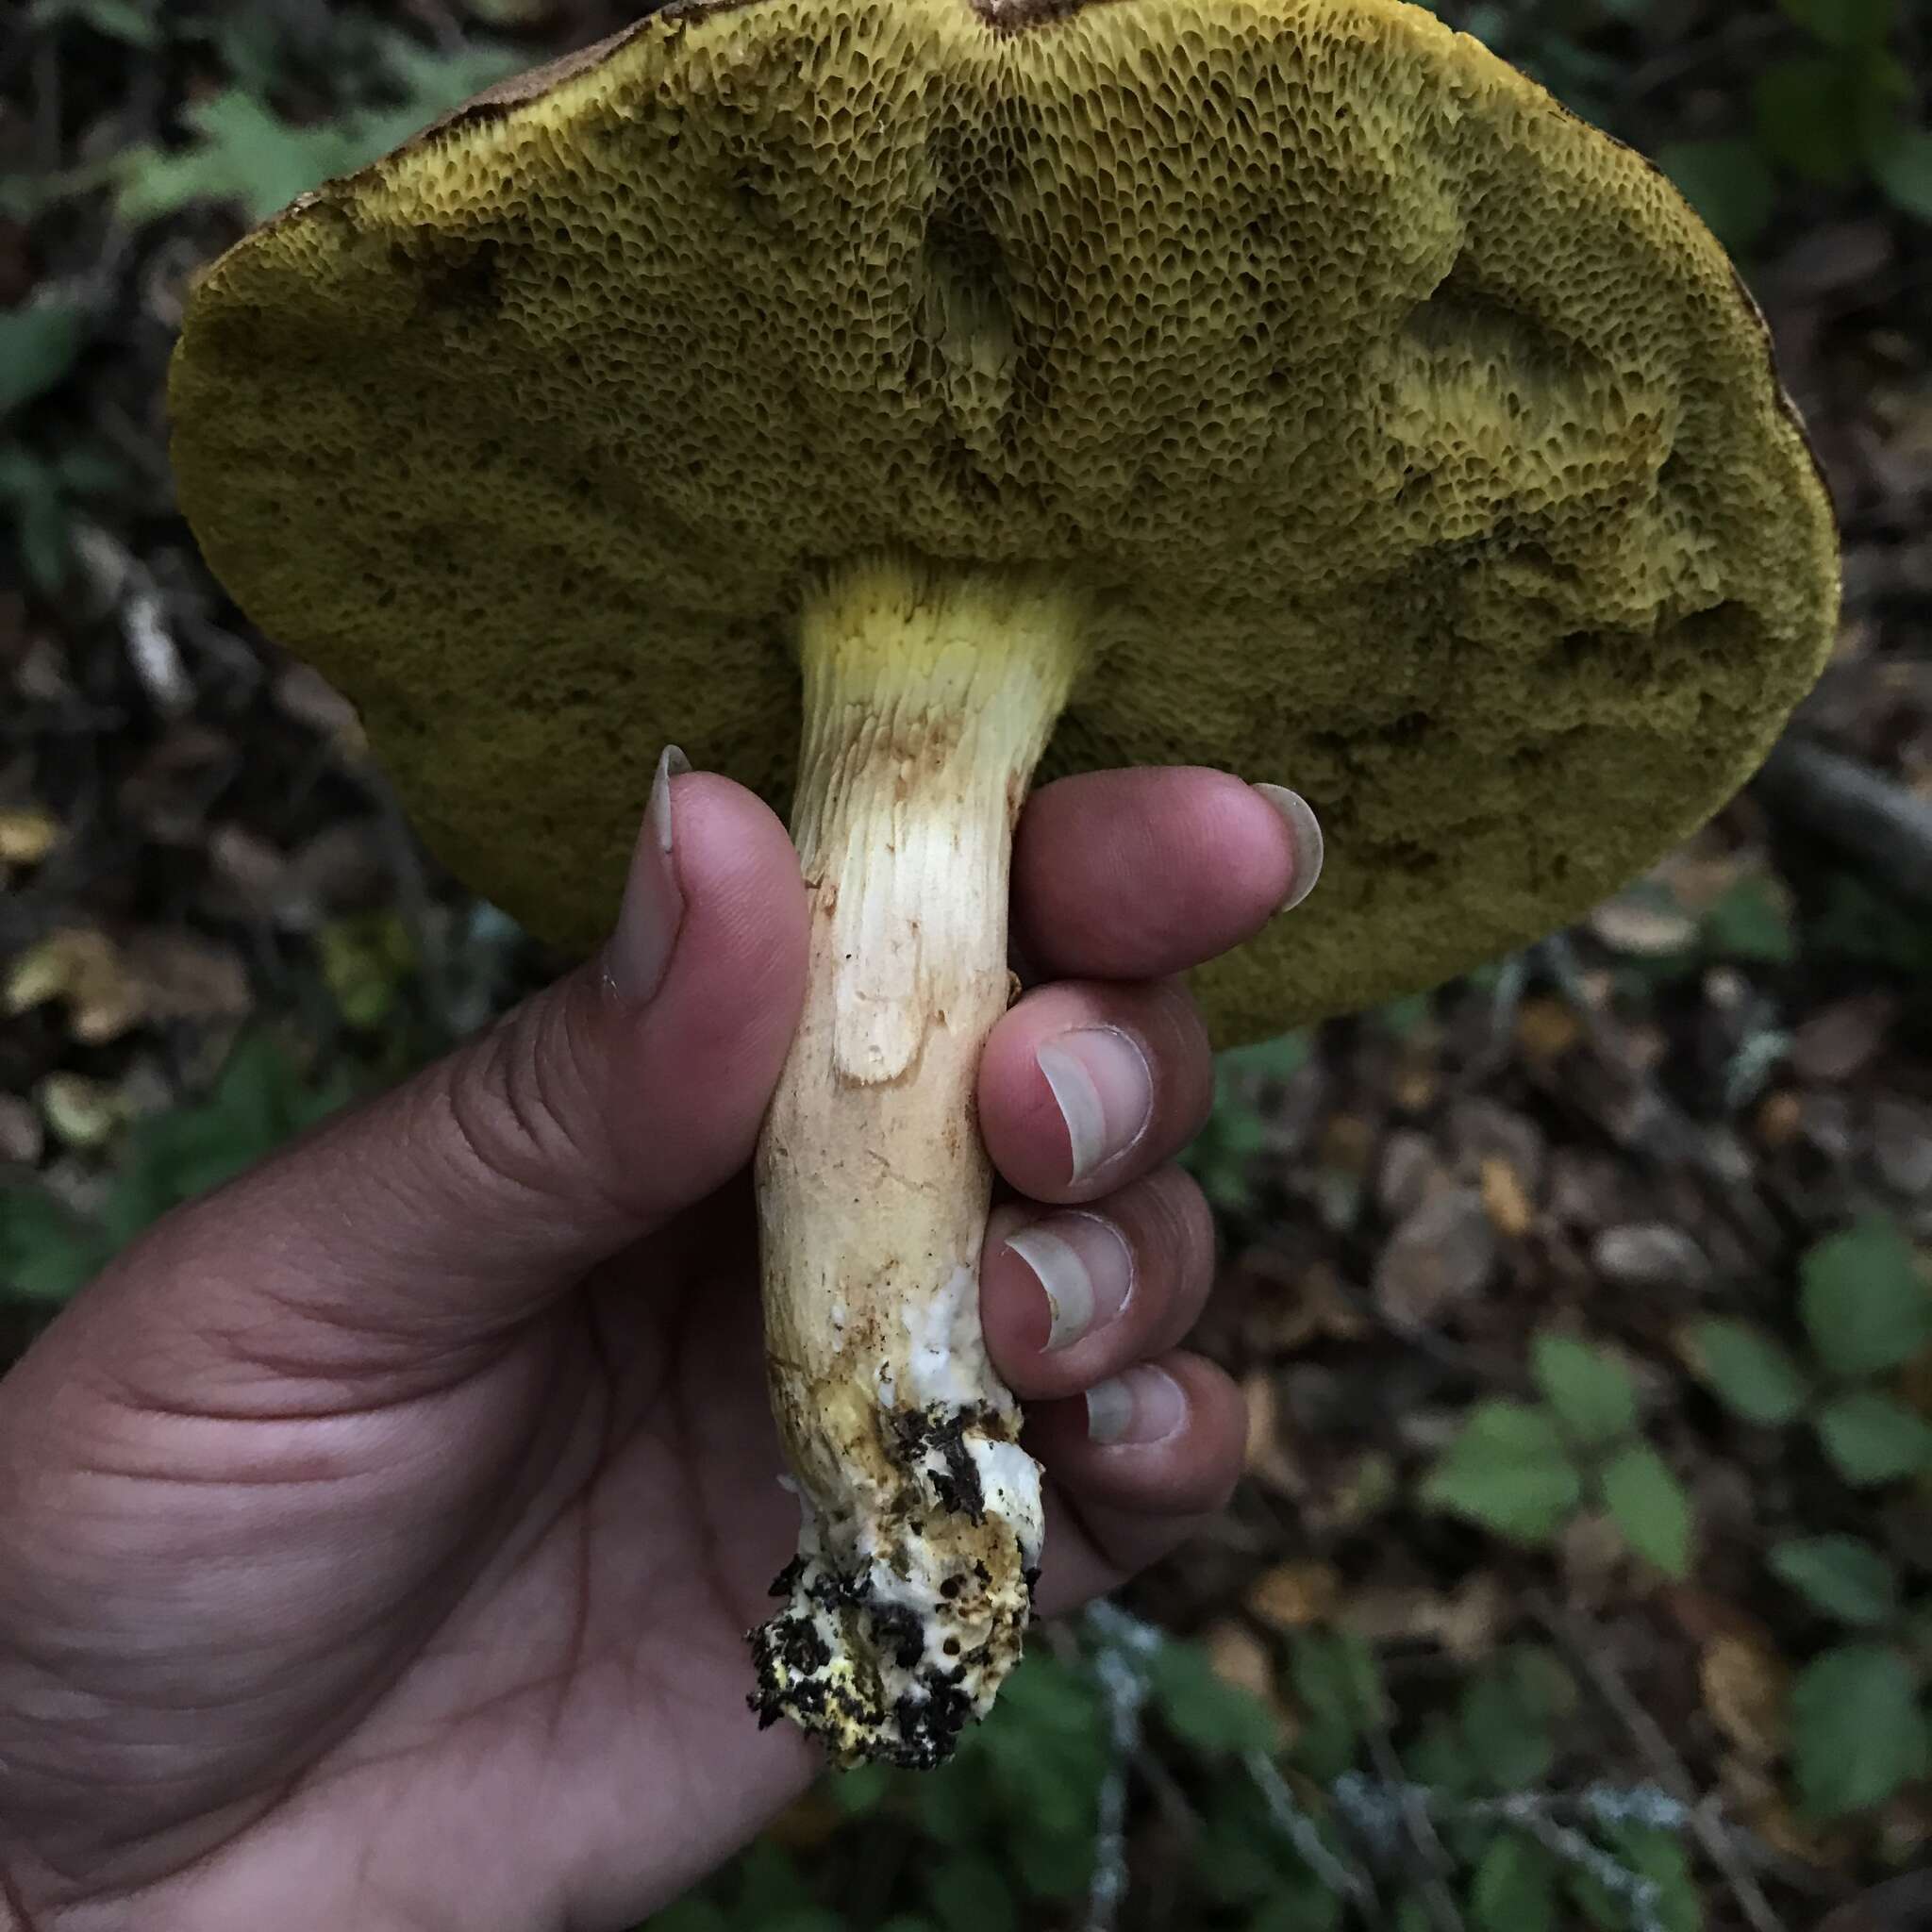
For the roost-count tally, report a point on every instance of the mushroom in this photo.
(891, 400)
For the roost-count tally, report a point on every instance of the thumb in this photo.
(458, 1205)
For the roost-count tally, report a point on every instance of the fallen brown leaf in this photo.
(1294, 1596)
(1505, 1198)
(1442, 1254)
(1546, 1029)
(79, 1112)
(26, 836)
(1474, 1617)
(1266, 1460)
(1644, 923)
(1780, 1116)
(22, 1135)
(1245, 1662)
(307, 695)
(1416, 1087)
(1594, 1554)
(1394, 1613)
(84, 970)
(184, 976)
(1747, 1687)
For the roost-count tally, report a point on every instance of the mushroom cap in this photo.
(1414, 442)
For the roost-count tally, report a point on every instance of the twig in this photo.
(1126, 1645)
(1299, 1829)
(1670, 1768)
(1420, 1829)
(1865, 814)
(1564, 1841)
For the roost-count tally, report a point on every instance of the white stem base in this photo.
(929, 699)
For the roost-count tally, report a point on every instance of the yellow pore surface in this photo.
(1411, 441)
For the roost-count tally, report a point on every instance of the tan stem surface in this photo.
(928, 698)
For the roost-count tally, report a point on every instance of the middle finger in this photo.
(1087, 1085)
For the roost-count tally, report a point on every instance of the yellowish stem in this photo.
(928, 698)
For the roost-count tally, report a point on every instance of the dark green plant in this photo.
(1839, 111)
(1026, 1826)
(262, 1096)
(1861, 1726)
(1866, 1311)
(1225, 1154)
(1522, 1470)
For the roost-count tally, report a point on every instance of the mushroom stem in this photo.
(928, 698)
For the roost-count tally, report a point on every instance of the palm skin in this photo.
(397, 1575)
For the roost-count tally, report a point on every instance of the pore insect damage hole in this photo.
(970, 345)
(1464, 320)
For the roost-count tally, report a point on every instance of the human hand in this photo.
(379, 1535)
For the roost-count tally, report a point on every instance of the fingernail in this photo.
(1085, 1269)
(653, 907)
(1100, 1078)
(1306, 830)
(1146, 1405)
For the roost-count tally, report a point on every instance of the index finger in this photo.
(1139, 874)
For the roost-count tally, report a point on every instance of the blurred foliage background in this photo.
(1582, 1575)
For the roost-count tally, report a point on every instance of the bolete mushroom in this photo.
(887, 398)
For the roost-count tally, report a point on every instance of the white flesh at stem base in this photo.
(929, 696)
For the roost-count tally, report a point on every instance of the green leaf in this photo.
(1506, 1718)
(1440, 1756)
(1339, 1690)
(771, 1884)
(1865, 1306)
(861, 1791)
(38, 344)
(1755, 1377)
(245, 154)
(1874, 1440)
(366, 960)
(1657, 1855)
(1751, 921)
(1592, 1393)
(1844, 1576)
(1649, 1506)
(1307, 1906)
(1729, 183)
(1237, 1858)
(1054, 1865)
(1413, 1914)
(1807, 113)
(1844, 24)
(1198, 1706)
(46, 1253)
(1856, 1729)
(119, 20)
(970, 1893)
(1510, 1471)
(956, 1807)
(45, 546)
(1401, 1018)
(1901, 163)
(1280, 1058)
(1514, 1888)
